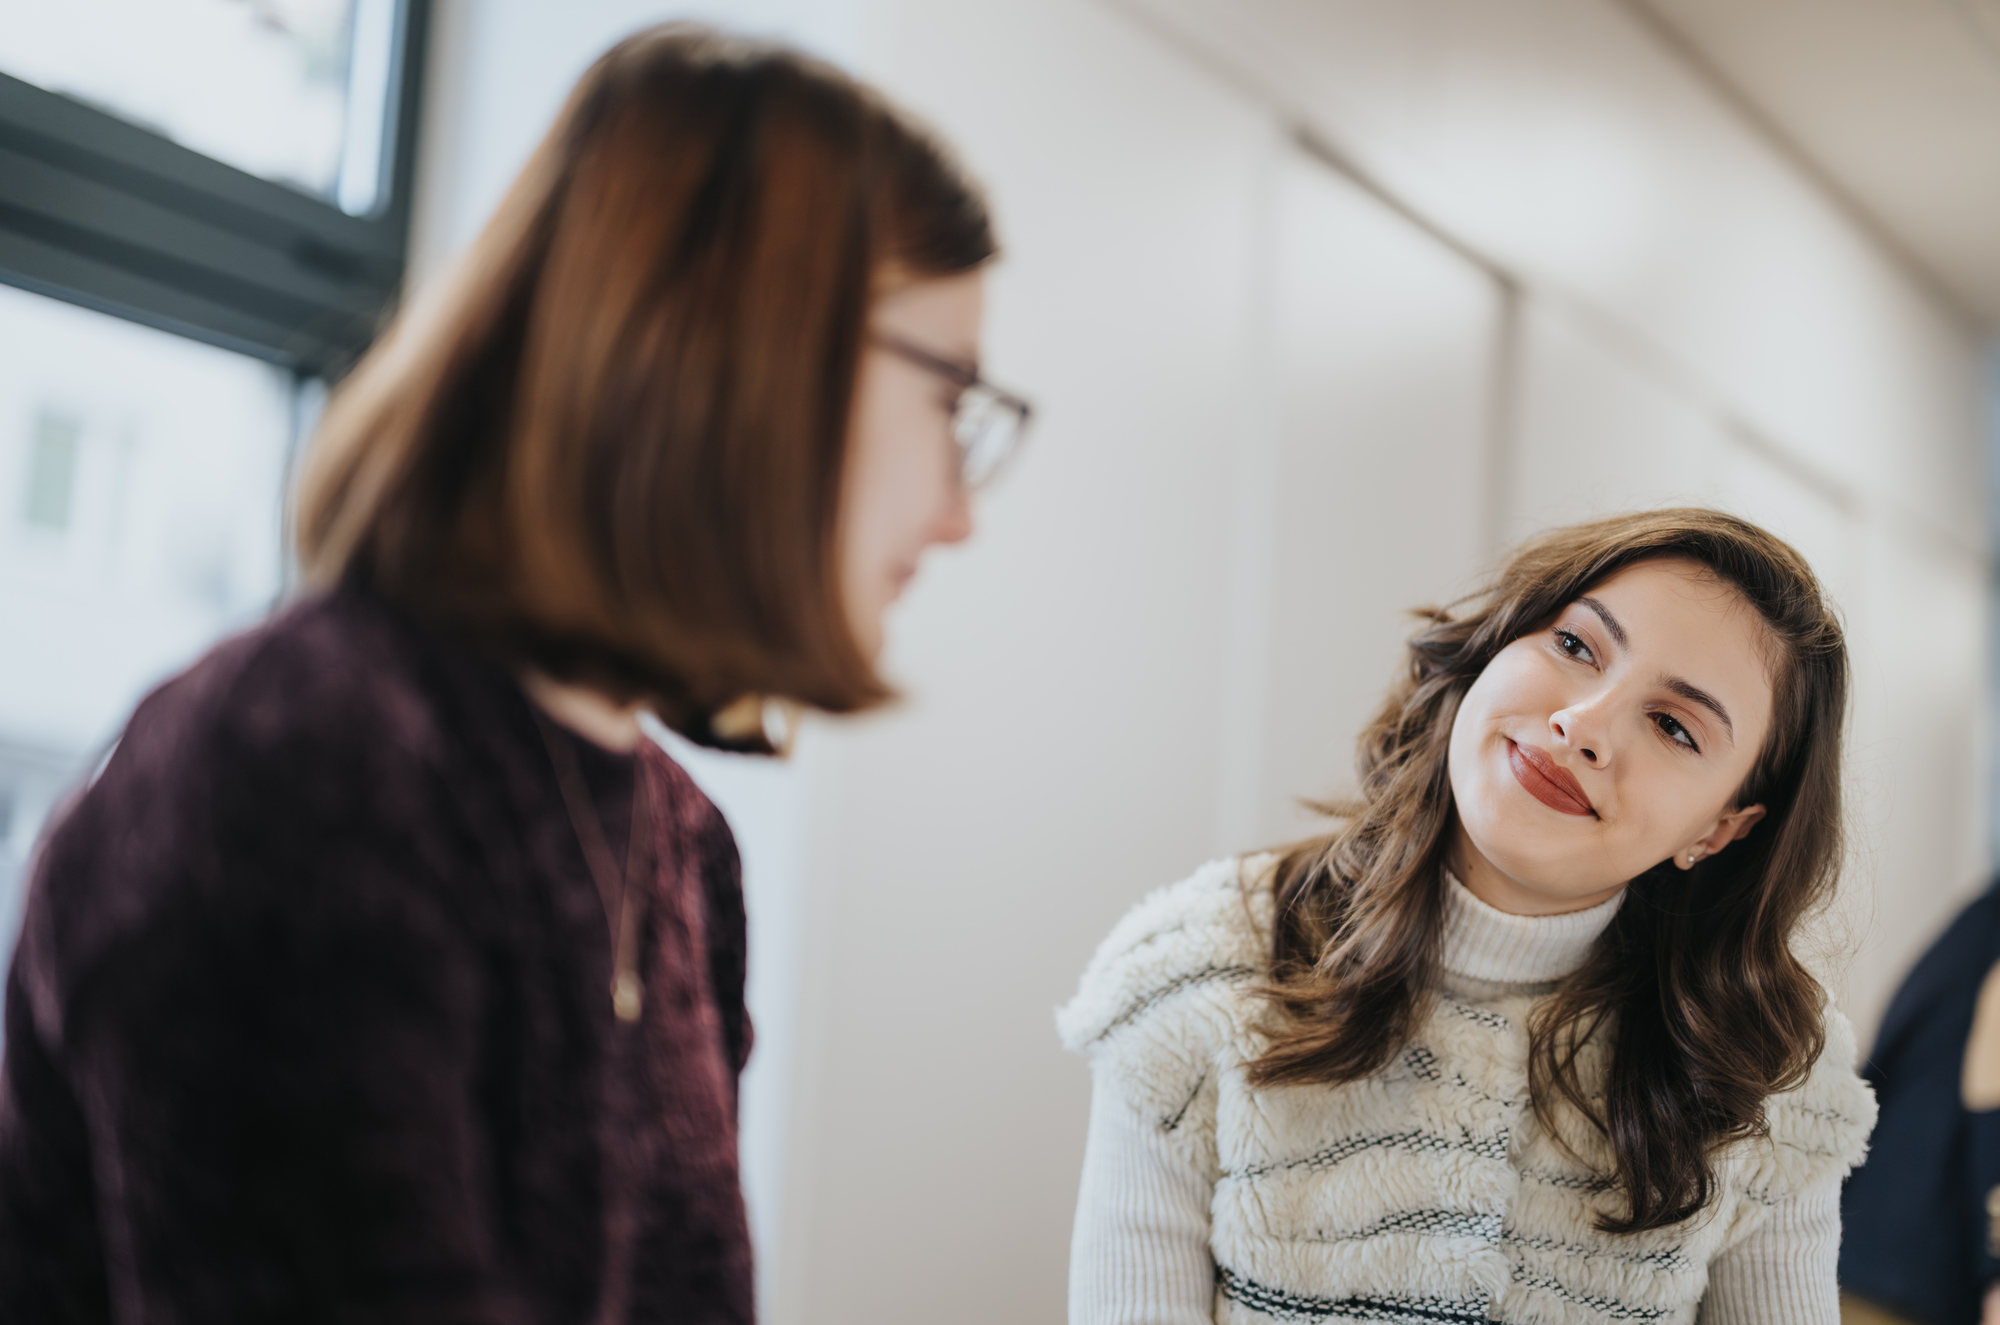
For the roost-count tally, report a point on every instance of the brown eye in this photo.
(1671, 727)
(1573, 646)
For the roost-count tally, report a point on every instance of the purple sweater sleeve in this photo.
(290, 1067)
(311, 1018)
(271, 1055)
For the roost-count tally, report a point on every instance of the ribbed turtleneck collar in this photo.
(1494, 947)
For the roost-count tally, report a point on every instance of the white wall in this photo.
(1059, 754)
(1387, 377)
(1699, 323)
(1280, 404)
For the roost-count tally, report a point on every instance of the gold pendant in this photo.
(625, 995)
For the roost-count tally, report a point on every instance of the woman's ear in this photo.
(1727, 829)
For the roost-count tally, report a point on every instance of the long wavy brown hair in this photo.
(1707, 1010)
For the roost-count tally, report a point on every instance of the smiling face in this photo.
(1617, 738)
(902, 492)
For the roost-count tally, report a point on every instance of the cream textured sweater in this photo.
(1425, 1194)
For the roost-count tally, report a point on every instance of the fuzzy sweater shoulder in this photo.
(1166, 991)
(1431, 1186)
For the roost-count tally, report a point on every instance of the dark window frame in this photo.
(98, 211)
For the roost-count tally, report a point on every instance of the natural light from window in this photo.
(141, 485)
(293, 90)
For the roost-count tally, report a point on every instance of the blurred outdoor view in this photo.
(142, 473)
(141, 477)
(292, 90)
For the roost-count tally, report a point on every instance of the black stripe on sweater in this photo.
(1376, 1310)
(1486, 1227)
(1492, 1148)
(1669, 1260)
(1610, 1308)
(1153, 997)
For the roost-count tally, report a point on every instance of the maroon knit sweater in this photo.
(309, 1019)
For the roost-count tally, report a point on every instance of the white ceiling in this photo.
(1894, 103)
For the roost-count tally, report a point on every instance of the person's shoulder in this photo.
(1167, 989)
(1818, 1128)
(701, 818)
(323, 696)
(313, 717)
(335, 668)
(237, 794)
(1941, 986)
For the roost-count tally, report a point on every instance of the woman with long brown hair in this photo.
(385, 973)
(1523, 1037)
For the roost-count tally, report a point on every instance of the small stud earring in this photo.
(1693, 856)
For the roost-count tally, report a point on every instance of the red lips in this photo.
(1546, 780)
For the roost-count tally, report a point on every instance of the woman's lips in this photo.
(1546, 780)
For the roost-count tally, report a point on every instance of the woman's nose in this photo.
(954, 517)
(1570, 726)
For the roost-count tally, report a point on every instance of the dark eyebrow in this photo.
(1610, 623)
(1696, 695)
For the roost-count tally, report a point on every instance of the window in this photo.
(203, 215)
(290, 90)
(237, 171)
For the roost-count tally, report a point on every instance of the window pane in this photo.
(141, 486)
(293, 90)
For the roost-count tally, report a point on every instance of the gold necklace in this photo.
(624, 909)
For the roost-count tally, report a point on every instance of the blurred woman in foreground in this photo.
(385, 973)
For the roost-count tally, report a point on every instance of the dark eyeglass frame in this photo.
(987, 421)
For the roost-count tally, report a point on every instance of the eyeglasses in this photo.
(986, 422)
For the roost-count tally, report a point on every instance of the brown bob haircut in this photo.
(612, 448)
(1695, 983)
